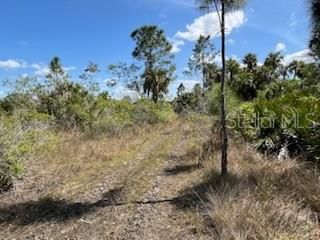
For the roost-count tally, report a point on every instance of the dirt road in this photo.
(141, 190)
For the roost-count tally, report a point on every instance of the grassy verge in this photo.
(263, 198)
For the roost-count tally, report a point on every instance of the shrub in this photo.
(70, 104)
(291, 120)
(22, 136)
(245, 86)
(147, 112)
(114, 116)
(189, 102)
(213, 98)
(15, 102)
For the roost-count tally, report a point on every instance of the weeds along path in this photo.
(128, 193)
(156, 215)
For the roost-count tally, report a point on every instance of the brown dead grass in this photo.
(261, 199)
(264, 198)
(104, 180)
(83, 162)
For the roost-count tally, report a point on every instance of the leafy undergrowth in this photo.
(23, 139)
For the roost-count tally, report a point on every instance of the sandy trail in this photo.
(137, 200)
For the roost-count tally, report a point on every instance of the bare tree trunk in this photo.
(295, 74)
(155, 97)
(203, 90)
(224, 134)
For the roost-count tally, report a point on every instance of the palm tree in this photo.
(233, 68)
(303, 70)
(273, 63)
(283, 71)
(221, 7)
(295, 68)
(251, 62)
(154, 50)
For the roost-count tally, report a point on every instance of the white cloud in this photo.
(304, 56)
(176, 46)
(280, 47)
(24, 75)
(68, 69)
(119, 92)
(42, 70)
(292, 23)
(293, 20)
(12, 64)
(209, 25)
(217, 59)
(187, 83)
(235, 57)
(231, 42)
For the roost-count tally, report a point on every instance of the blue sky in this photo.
(78, 31)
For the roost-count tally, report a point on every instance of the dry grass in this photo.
(80, 163)
(261, 199)
(265, 198)
(104, 180)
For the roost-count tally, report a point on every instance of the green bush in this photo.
(22, 136)
(73, 106)
(214, 100)
(186, 103)
(114, 116)
(70, 105)
(16, 102)
(147, 112)
(290, 120)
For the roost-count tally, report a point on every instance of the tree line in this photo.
(246, 85)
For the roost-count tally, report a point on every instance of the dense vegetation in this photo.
(274, 106)
(37, 110)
